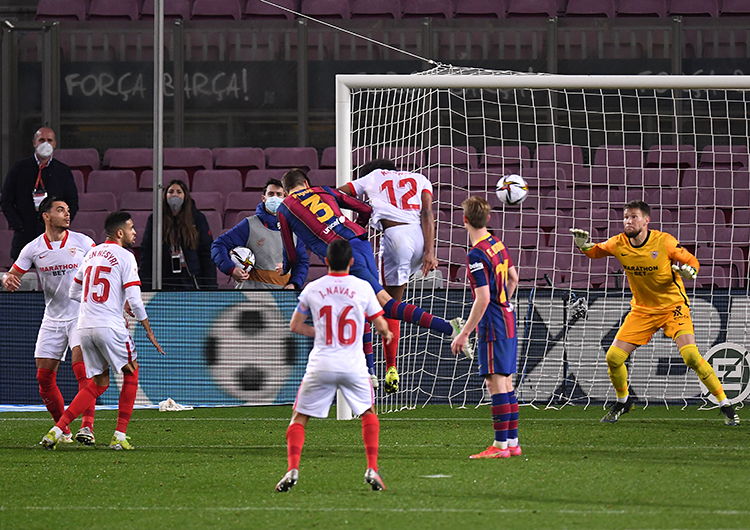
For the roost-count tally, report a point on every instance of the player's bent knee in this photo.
(616, 357)
(691, 356)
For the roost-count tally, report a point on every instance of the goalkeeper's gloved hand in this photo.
(581, 237)
(685, 270)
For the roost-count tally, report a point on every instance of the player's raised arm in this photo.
(582, 239)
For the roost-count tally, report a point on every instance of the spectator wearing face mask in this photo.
(260, 233)
(27, 184)
(186, 244)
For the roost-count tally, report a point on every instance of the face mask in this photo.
(175, 202)
(44, 150)
(272, 204)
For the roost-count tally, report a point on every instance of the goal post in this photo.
(585, 145)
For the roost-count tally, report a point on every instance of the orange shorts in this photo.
(639, 327)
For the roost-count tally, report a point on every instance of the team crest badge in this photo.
(654, 254)
(72, 251)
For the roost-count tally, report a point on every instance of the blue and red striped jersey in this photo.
(488, 262)
(314, 214)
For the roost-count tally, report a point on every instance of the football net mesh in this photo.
(584, 153)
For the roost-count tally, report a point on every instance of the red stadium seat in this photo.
(146, 180)
(462, 157)
(115, 181)
(103, 201)
(216, 9)
(224, 181)
(642, 8)
(480, 8)
(114, 9)
(427, 8)
(305, 158)
(375, 8)
(137, 201)
(173, 9)
(532, 8)
(61, 10)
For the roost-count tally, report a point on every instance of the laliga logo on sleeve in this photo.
(731, 362)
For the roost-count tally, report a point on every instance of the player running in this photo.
(338, 304)
(56, 254)
(314, 215)
(402, 208)
(107, 279)
(655, 264)
(493, 279)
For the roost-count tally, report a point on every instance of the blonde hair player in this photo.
(655, 264)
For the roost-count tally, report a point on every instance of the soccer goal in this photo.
(585, 145)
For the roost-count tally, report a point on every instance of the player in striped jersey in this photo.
(655, 264)
(493, 279)
(106, 280)
(56, 254)
(339, 305)
(314, 215)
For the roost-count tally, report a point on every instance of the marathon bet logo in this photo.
(731, 362)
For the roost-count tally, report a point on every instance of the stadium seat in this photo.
(137, 201)
(256, 178)
(146, 180)
(305, 158)
(215, 222)
(375, 8)
(84, 160)
(61, 10)
(550, 159)
(116, 181)
(102, 201)
(427, 8)
(587, 8)
(242, 158)
(224, 181)
(448, 177)
(678, 156)
(451, 198)
(322, 177)
(713, 277)
(326, 9)
(613, 162)
(479, 8)
(508, 158)
(701, 8)
(532, 8)
(462, 157)
(137, 159)
(405, 158)
(642, 8)
(173, 9)
(725, 157)
(241, 201)
(232, 218)
(256, 9)
(328, 158)
(660, 178)
(735, 8)
(209, 200)
(191, 159)
(114, 9)
(6, 240)
(91, 220)
(79, 180)
(216, 9)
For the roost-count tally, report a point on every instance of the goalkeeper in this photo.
(655, 264)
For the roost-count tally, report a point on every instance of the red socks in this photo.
(295, 439)
(85, 399)
(371, 437)
(50, 393)
(391, 349)
(79, 369)
(127, 399)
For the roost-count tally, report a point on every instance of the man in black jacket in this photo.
(28, 182)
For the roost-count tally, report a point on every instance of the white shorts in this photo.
(401, 254)
(54, 338)
(105, 347)
(317, 390)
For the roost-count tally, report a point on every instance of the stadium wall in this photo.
(234, 348)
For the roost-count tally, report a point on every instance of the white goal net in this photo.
(585, 145)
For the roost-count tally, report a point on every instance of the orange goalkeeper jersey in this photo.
(655, 286)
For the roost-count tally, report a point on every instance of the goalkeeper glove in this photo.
(581, 238)
(685, 270)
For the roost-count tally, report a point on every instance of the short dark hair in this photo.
(46, 205)
(339, 255)
(293, 178)
(379, 163)
(115, 221)
(639, 205)
(272, 182)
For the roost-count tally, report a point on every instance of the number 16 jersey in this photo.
(106, 271)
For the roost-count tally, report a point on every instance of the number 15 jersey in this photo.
(106, 271)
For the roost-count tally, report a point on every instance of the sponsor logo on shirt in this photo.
(476, 267)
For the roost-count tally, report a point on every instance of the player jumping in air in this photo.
(107, 278)
(402, 208)
(56, 254)
(314, 215)
(493, 279)
(655, 264)
(338, 304)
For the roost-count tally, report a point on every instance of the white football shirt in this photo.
(106, 272)
(56, 263)
(339, 304)
(394, 195)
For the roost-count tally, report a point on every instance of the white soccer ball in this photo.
(243, 258)
(512, 189)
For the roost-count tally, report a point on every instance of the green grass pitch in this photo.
(217, 467)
